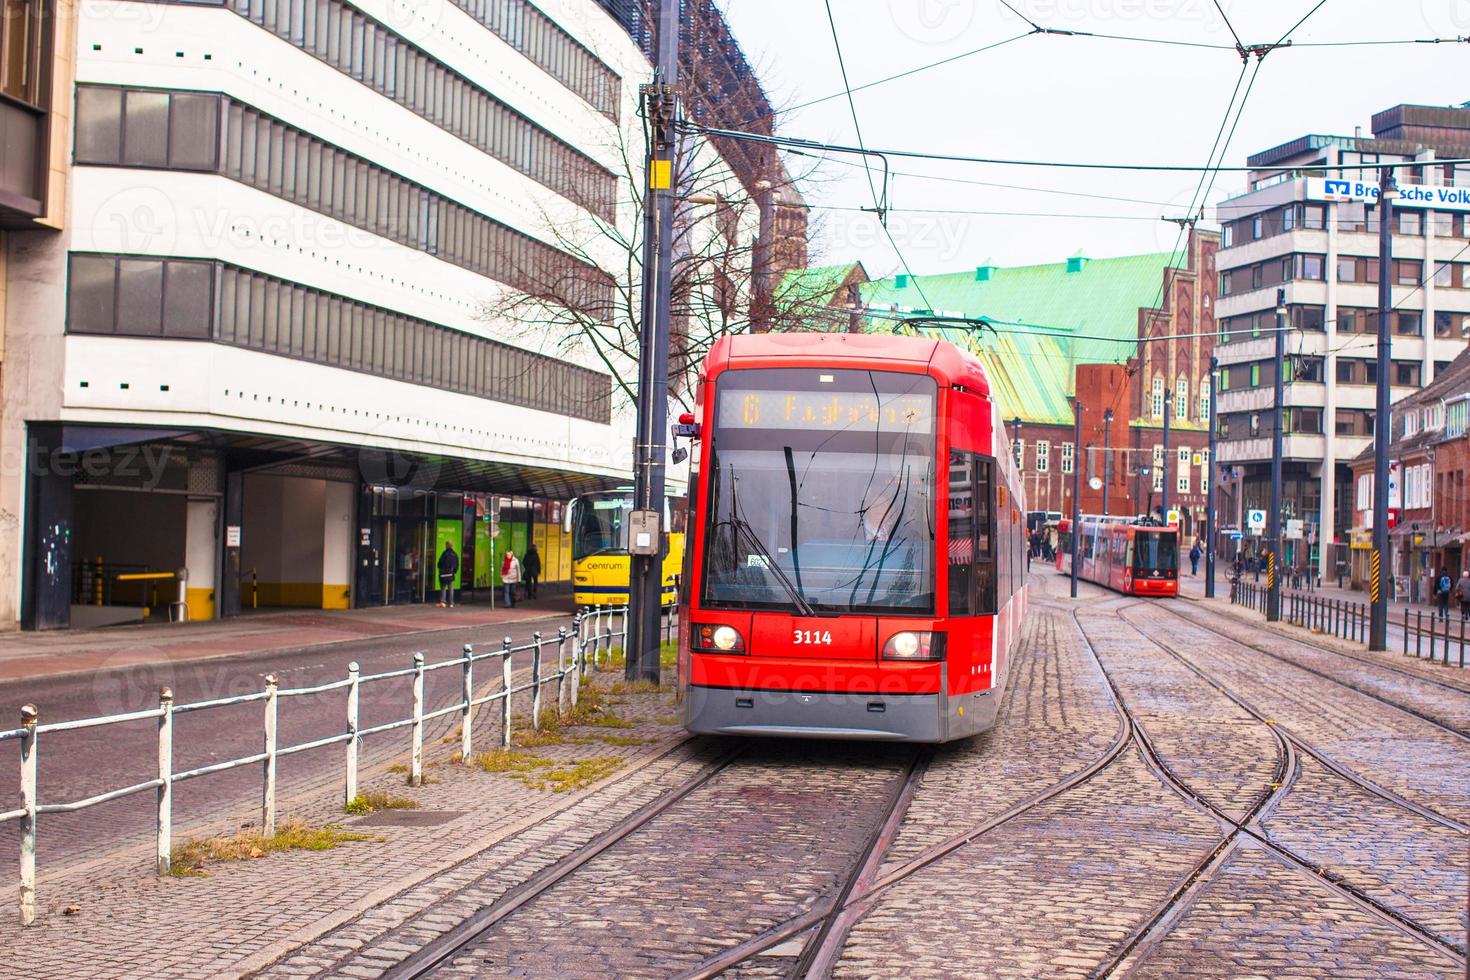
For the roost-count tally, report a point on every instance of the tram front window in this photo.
(1156, 551)
(601, 526)
(821, 496)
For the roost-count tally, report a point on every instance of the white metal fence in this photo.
(587, 644)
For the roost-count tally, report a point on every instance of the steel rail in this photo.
(1459, 733)
(860, 903)
(1316, 872)
(439, 951)
(1458, 689)
(83, 723)
(822, 951)
(1148, 932)
(1307, 748)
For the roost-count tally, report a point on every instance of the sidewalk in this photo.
(1193, 585)
(50, 654)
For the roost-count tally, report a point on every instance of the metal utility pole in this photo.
(1211, 530)
(1164, 463)
(1107, 456)
(1273, 515)
(1076, 487)
(1382, 421)
(646, 530)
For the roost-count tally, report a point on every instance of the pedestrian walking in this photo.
(1442, 589)
(531, 569)
(448, 568)
(1194, 554)
(510, 574)
(1462, 593)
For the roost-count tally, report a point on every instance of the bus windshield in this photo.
(821, 492)
(600, 525)
(1156, 550)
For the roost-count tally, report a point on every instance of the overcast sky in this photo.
(1070, 98)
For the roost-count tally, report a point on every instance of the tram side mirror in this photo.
(566, 516)
(679, 455)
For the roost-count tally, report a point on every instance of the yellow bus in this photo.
(598, 524)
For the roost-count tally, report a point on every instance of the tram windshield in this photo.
(1156, 550)
(821, 494)
(600, 524)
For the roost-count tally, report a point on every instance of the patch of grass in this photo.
(574, 775)
(529, 738)
(667, 719)
(398, 767)
(509, 761)
(193, 858)
(634, 687)
(376, 800)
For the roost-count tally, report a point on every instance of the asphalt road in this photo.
(76, 765)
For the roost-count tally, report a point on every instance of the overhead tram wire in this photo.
(1239, 45)
(879, 206)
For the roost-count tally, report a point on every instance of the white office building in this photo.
(256, 349)
(1315, 235)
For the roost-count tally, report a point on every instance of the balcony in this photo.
(22, 142)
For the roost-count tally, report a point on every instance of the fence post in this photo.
(505, 681)
(28, 768)
(579, 626)
(1418, 633)
(562, 683)
(578, 661)
(268, 767)
(1462, 643)
(165, 780)
(354, 741)
(536, 681)
(416, 759)
(1406, 631)
(597, 638)
(467, 713)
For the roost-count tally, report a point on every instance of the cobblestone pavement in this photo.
(1052, 846)
(1405, 754)
(1258, 918)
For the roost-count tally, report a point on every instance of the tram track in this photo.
(1152, 931)
(1377, 664)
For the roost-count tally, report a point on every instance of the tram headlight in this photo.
(717, 638)
(914, 645)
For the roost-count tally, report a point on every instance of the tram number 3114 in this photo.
(811, 637)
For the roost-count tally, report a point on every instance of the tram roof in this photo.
(871, 351)
(1032, 375)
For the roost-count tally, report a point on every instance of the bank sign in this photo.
(1410, 196)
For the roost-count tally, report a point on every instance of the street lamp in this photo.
(1016, 449)
(1107, 456)
(1164, 483)
(1382, 428)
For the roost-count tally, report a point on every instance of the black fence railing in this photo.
(1440, 639)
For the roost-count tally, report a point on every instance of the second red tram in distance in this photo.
(1121, 554)
(855, 560)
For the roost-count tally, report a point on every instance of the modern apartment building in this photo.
(1315, 236)
(253, 343)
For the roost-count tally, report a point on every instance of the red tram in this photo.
(1136, 559)
(837, 588)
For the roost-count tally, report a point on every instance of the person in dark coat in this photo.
(531, 569)
(448, 568)
(1443, 585)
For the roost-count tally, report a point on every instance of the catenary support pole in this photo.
(1382, 420)
(660, 105)
(1076, 487)
(1211, 526)
(1273, 515)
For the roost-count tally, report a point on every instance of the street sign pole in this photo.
(1382, 420)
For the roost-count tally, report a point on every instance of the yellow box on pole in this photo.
(660, 174)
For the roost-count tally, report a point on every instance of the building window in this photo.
(1181, 399)
(1410, 222)
(388, 63)
(1204, 401)
(1158, 468)
(1408, 272)
(1043, 456)
(1069, 457)
(1183, 485)
(20, 50)
(201, 300)
(180, 130)
(1158, 398)
(1018, 451)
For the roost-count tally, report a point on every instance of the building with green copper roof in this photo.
(1083, 311)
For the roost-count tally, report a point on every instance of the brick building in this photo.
(1129, 335)
(1429, 456)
